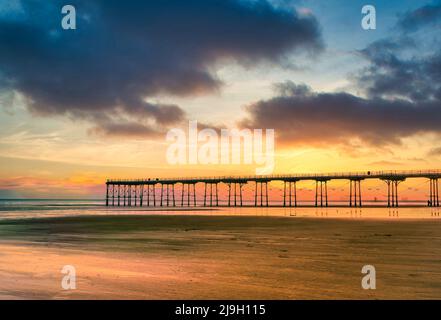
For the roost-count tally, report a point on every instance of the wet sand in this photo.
(219, 257)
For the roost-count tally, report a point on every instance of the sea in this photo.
(40, 208)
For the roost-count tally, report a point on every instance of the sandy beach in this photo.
(219, 257)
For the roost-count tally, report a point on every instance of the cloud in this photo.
(401, 88)
(122, 53)
(385, 163)
(301, 116)
(423, 16)
(402, 97)
(406, 65)
(392, 75)
(435, 152)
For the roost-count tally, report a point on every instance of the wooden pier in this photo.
(144, 192)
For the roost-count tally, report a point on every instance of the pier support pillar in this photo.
(183, 194)
(321, 193)
(213, 195)
(107, 194)
(235, 191)
(151, 194)
(289, 191)
(119, 195)
(261, 186)
(392, 191)
(135, 194)
(113, 195)
(169, 194)
(141, 194)
(434, 193)
(355, 193)
(124, 194)
(190, 196)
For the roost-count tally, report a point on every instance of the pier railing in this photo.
(300, 176)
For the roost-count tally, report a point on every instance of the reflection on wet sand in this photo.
(271, 254)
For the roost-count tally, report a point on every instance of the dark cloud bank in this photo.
(402, 96)
(124, 52)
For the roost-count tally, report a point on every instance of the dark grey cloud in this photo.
(406, 65)
(303, 117)
(427, 15)
(392, 74)
(124, 52)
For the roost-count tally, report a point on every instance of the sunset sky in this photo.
(79, 106)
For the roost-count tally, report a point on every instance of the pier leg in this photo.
(255, 194)
(326, 192)
(119, 191)
(113, 195)
(321, 193)
(107, 195)
(295, 193)
(431, 202)
(135, 192)
(350, 193)
(266, 193)
(388, 193)
(316, 191)
(392, 194)
(188, 194)
(355, 194)
(182, 194)
(434, 193)
(395, 196)
(141, 194)
(124, 195)
(162, 193)
(284, 193)
(358, 185)
(437, 193)
(194, 194)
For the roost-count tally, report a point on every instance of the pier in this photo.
(162, 192)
